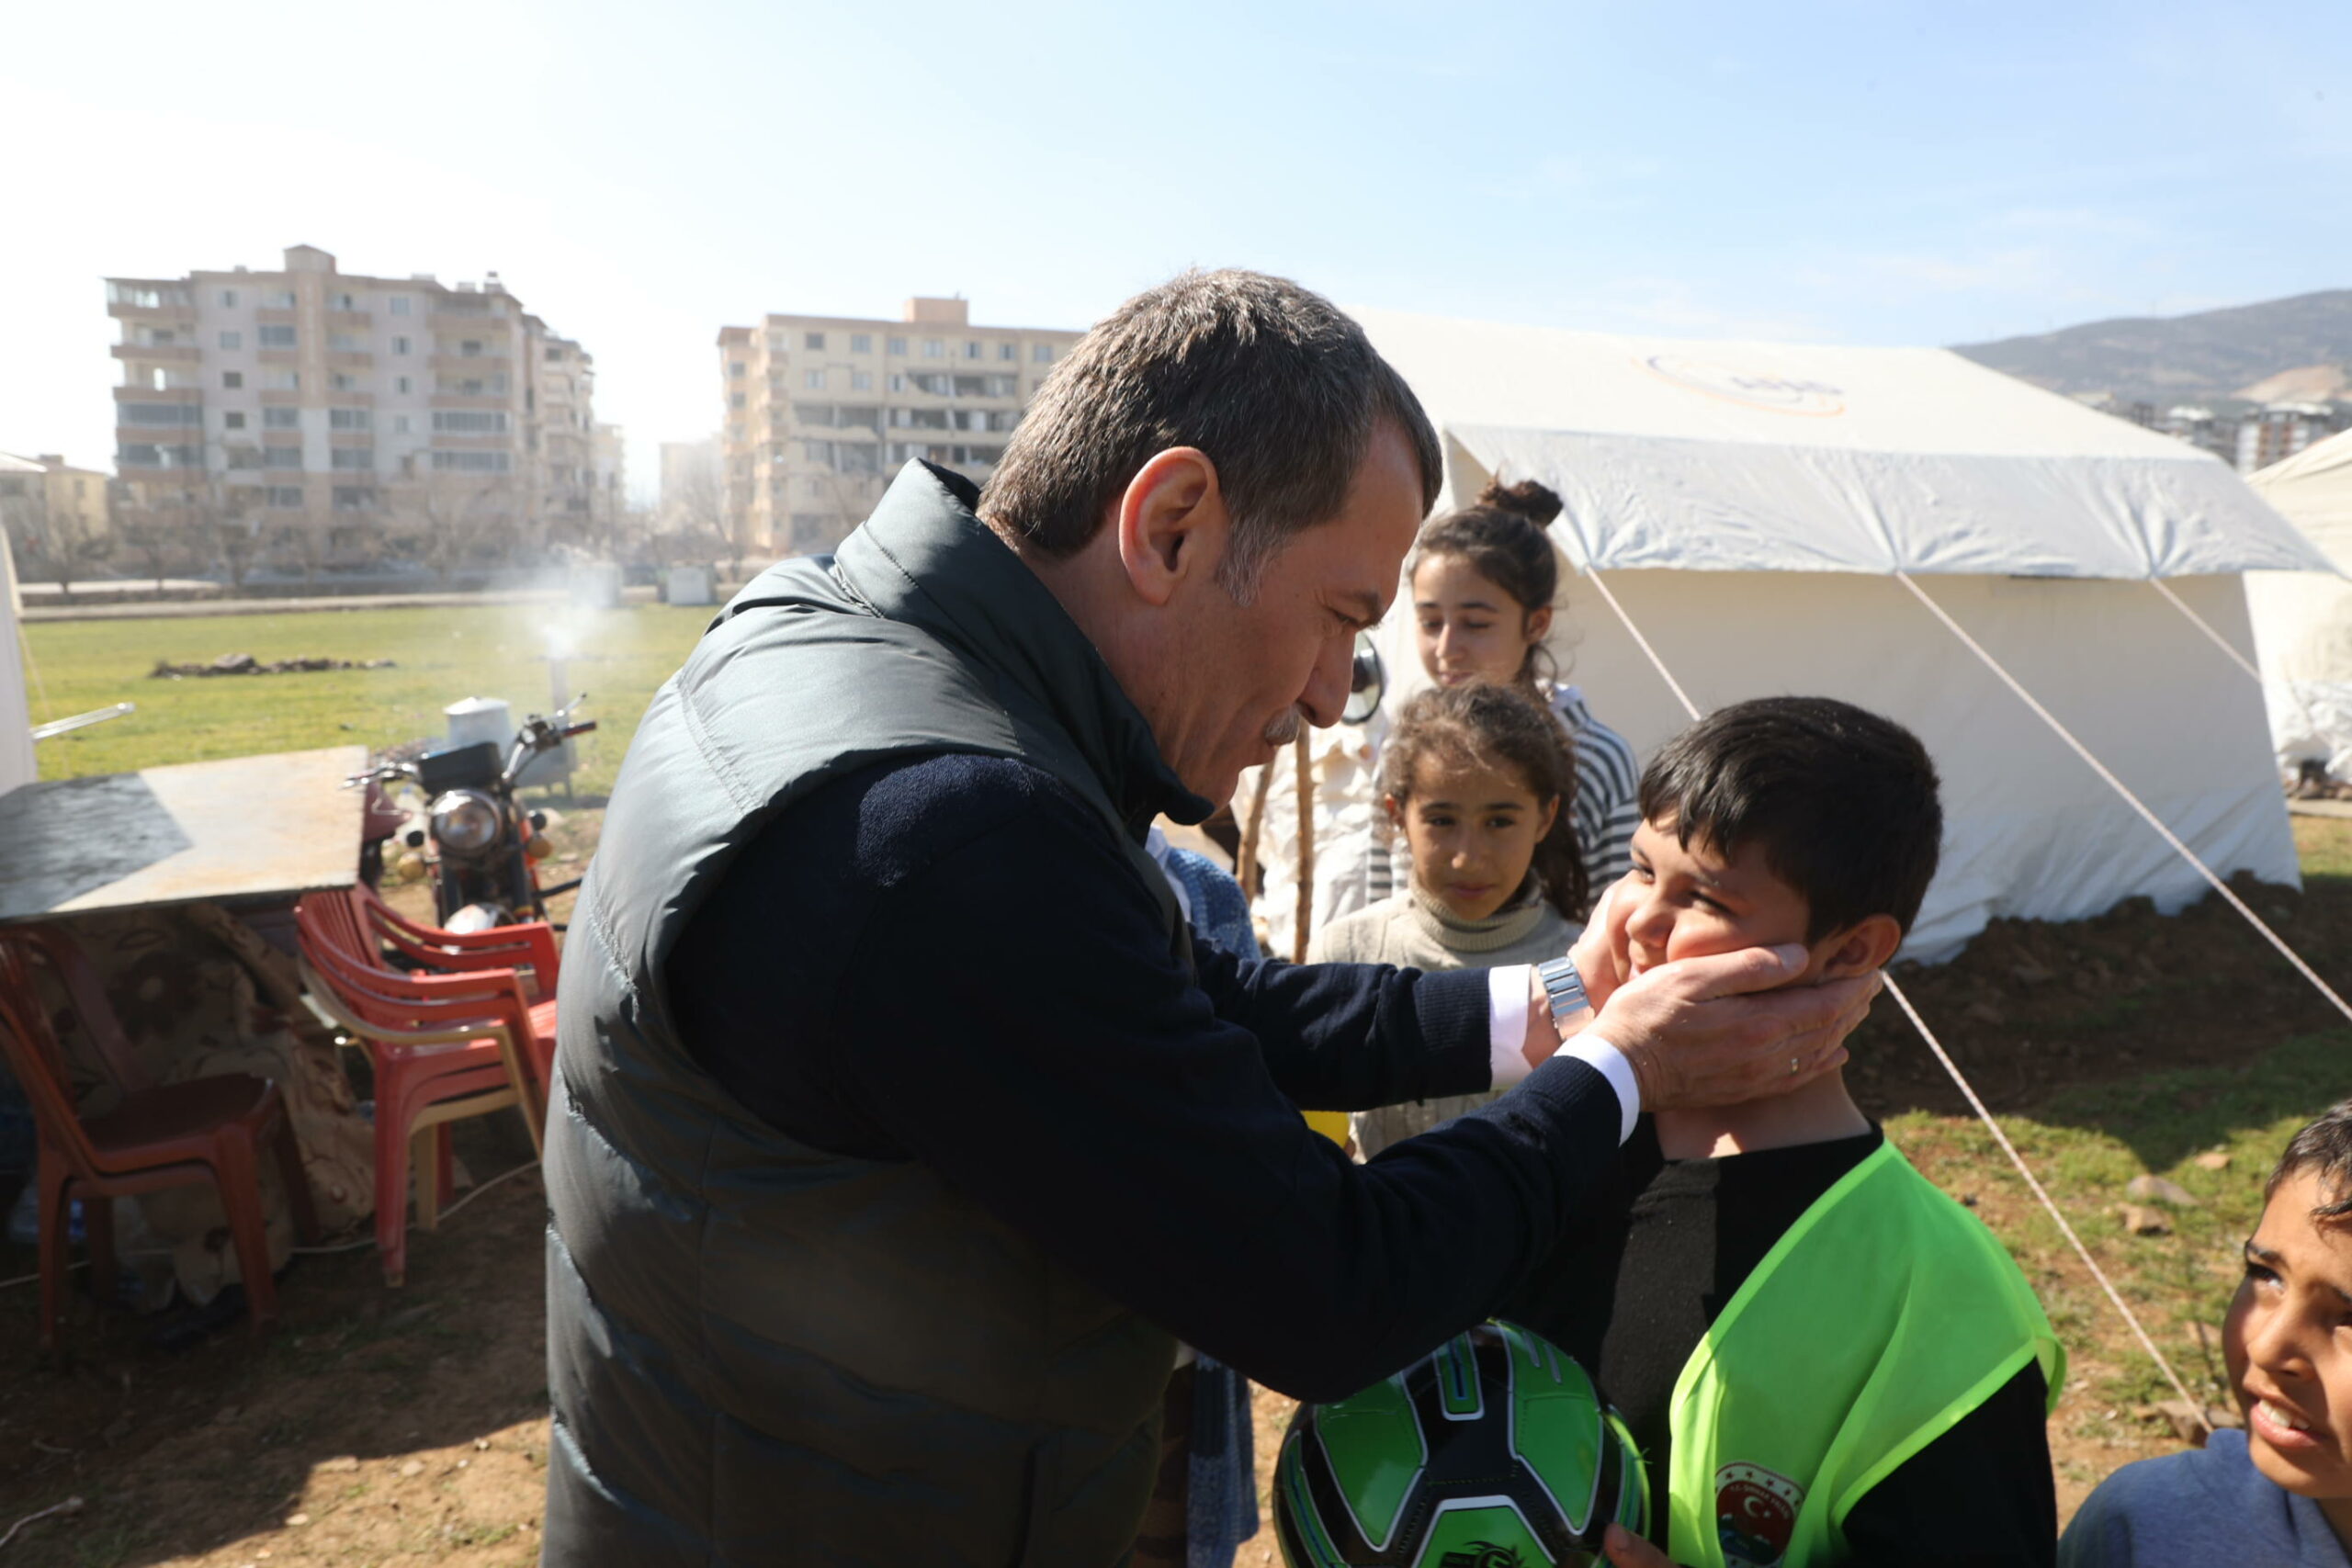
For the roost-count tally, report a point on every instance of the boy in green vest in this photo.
(1822, 1357)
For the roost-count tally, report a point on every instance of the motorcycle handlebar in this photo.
(572, 729)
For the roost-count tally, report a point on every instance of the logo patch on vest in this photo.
(1756, 1515)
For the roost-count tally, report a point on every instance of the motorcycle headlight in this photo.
(465, 820)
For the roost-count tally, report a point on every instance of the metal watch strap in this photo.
(1564, 987)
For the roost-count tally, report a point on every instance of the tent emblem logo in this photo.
(1773, 394)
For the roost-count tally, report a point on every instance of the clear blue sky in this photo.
(643, 174)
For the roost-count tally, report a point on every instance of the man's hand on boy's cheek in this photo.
(1715, 1030)
(1598, 950)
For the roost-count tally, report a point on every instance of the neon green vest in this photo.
(1884, 1315)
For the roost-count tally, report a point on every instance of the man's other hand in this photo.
(1696, 1035)
(1626, 1550)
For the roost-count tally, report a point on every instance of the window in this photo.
(143, 297)
(735, 400)
(813, 380)
(812, 340)
(400, 424)
(245, 457)
(233, 379)
(353, 498)
(934, 348)
(821, 453)
(362, 457)
(281, 457)
(158, 413)
(860, 380)
(282, 418)
(348, 419)
(859, 457)
(861, 342)
(470, 462)
(1008, 351)
(897, 345)
(470, 348)
(346, 342)
(813, 413)
(275, 337)
(282, 380)
(552, 354)
(396, 305)
(282, 496)
(233, 340)
(1004, 419)
(279, 299)
(401, 385)
(343, 302)
(919, 419)
(972, 350)
(399, 345)
(147, 455)
(858, 415)
(1001, 386)
(228, 298)
(1041, 354)
(469, 422)
(338, 381)
(735, 367)
(898, 382)
(233, 420)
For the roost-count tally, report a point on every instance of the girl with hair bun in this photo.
(1482, 581)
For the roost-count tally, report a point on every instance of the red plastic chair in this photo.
(443, 1047)
(357, 924)
(365, 925)
(208, 1129)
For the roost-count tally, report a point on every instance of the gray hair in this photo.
(1282, 390)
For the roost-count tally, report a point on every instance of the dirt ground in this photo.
(385, 1425)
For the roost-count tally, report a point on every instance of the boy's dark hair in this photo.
(2323, 1148)
(1281, 388)
(1842, 802)
(1500, 536)
(1482, 723)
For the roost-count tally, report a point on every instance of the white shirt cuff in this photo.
(1507, 1008)
(1506, 989)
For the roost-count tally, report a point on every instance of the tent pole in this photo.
(1968, 1090)
(2131, 800)
(1306, 906)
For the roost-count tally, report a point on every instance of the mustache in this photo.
(1287, 729)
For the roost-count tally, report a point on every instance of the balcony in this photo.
(462, 363)
(350, 359)
(277, 317)
(350, 321)
(157, 352)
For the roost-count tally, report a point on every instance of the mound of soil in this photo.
(2030, 1008)
(246, 665)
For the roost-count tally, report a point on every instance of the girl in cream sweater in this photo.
(1478, 779)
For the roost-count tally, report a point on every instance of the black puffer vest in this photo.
(760, 1352)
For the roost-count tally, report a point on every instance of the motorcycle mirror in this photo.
(1368, 682)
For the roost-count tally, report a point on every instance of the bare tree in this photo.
(448, 518)
(696, 512)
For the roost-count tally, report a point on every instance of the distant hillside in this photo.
(2281, 347)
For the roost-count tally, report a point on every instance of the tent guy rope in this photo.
(2131, 800)
(1967, 1089)
(2200, 622)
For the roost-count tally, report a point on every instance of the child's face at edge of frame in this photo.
(2288, 1342)
(1473, 828)
(1692, 901)
(1469, 629)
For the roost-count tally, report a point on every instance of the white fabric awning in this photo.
(1749, 456)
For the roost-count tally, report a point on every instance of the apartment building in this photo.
(612, 473)
(306, 395)
(821, 412)
(2278, 431)
(50, 509)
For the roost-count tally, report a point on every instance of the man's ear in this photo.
(1861, 947)
(1171, 523)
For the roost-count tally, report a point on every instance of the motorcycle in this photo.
(486, 847)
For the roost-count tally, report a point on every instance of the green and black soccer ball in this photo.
(1494, 1451)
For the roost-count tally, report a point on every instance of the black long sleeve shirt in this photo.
(972, 973)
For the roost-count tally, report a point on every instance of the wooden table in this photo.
(245, 830)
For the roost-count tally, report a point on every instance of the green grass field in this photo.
(617, 657)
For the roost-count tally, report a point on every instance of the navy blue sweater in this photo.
(981, 980)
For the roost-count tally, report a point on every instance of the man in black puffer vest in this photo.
(899, 1129)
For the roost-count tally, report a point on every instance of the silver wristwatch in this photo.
(1564, 987)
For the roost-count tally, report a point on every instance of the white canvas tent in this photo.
(2302, 622)
(1748, 504)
